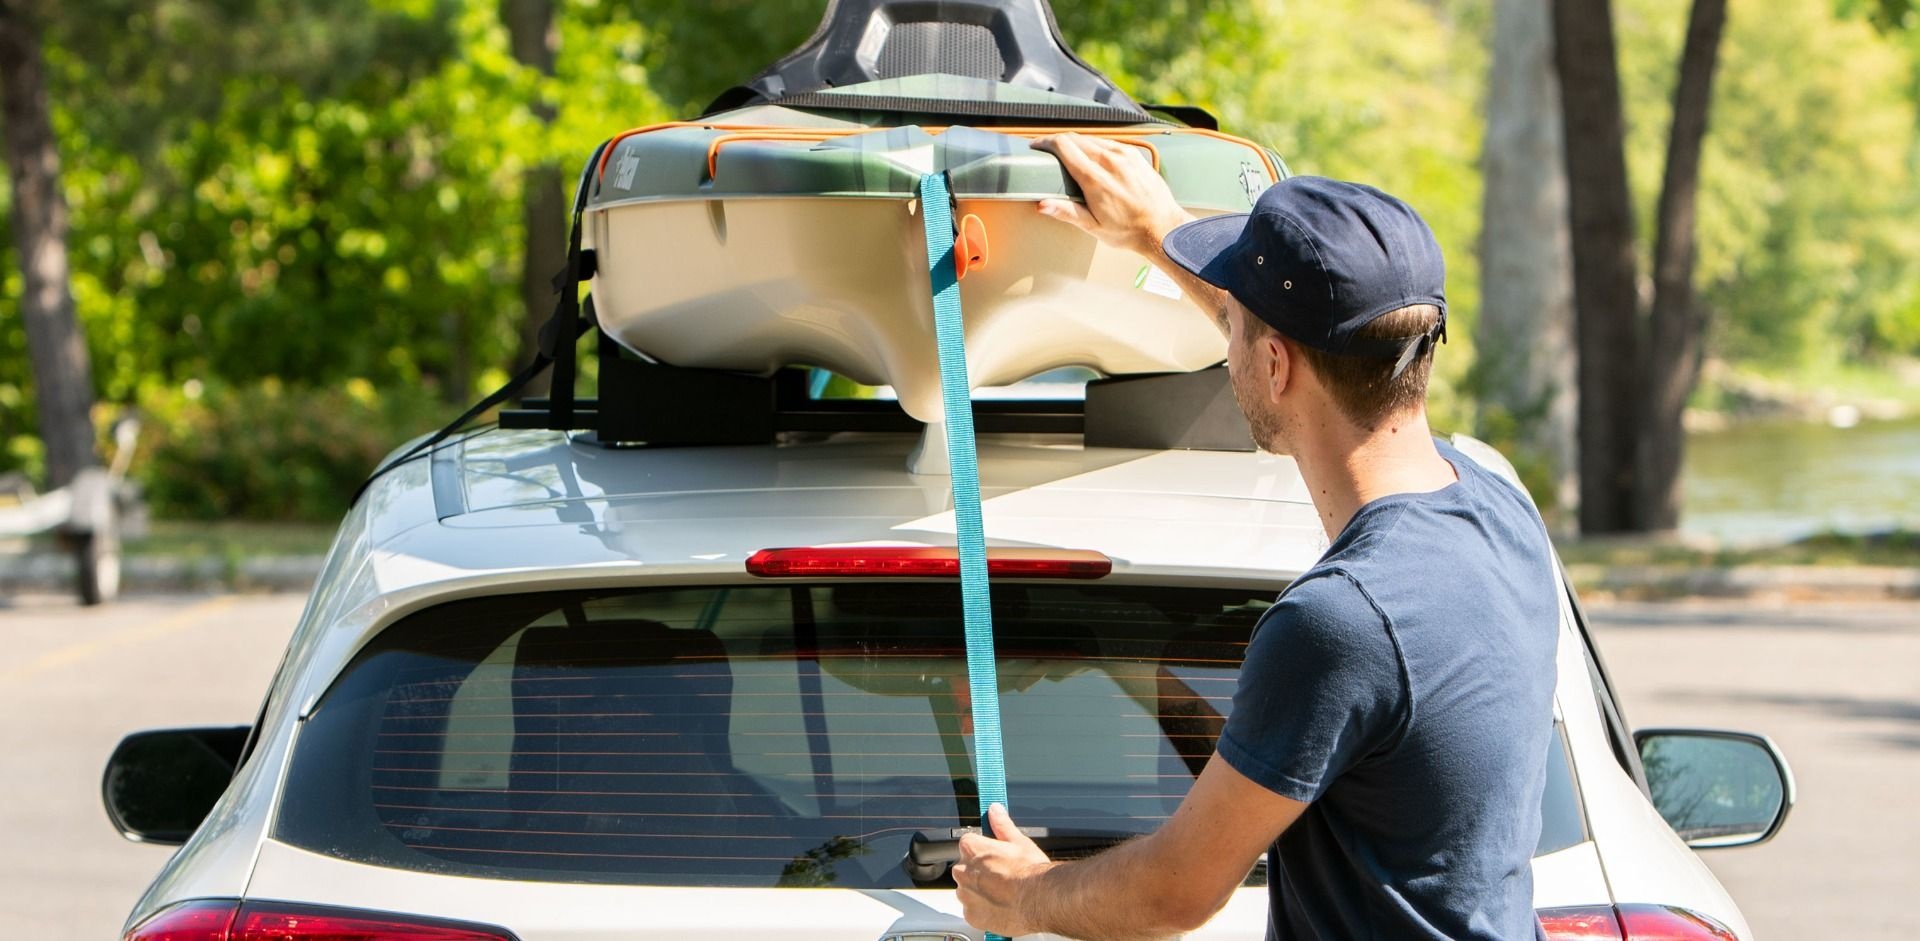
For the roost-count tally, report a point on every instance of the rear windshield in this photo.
(760, 736)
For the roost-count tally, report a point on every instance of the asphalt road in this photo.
(72, 683)
(1838, 687)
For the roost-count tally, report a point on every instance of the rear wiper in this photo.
(932, 853)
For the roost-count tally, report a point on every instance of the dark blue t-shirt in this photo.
(1403, 687)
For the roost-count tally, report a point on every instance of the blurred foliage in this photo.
(264, 450)
(1809, 247)
(1887, 15)
(308, 210)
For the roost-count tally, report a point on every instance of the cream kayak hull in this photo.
(757, 283)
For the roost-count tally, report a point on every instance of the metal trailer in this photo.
(89, 515)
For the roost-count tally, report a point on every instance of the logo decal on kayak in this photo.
(1154, 281)
(1252, 181)
(623, 174)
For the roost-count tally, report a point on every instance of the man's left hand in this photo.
(995, 874)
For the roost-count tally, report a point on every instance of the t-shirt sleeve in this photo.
(1322, 687)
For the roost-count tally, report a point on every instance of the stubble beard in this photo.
(1269, 432)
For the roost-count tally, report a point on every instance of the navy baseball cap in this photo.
(1318, 259)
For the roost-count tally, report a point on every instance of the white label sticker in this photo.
(1154, 281)
(623, 173)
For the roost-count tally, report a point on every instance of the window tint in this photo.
(754, 736)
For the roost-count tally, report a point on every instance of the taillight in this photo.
(227, 920)
(1665, 923)
(923, 562)
(1579, 924)
(1631, 923)
(205, 920)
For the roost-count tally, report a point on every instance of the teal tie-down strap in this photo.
(989, 764)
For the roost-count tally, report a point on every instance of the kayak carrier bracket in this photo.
(661, 405)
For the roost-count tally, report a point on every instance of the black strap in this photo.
(505, 392)
(1403, 350)
(1091, 112)
(1190, 115)
(558, 337)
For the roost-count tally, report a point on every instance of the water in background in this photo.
(1773, 482)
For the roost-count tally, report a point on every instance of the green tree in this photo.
(1525, 369)
(1675, 323)
(61, 368)
(1802, 253)
(1810, 181)
(319, 208)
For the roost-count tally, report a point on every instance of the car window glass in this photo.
(759, 736)
(478, 742)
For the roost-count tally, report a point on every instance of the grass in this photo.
(1896, 548)
(1899, 548)
(231, 539)
(1892, 381)
(216, 551)
(236, 540)
(1889, 387)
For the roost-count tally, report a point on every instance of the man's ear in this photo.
(1281, 365)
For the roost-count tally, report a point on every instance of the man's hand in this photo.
(1146, 889)
(993, 875)
(1128, 205)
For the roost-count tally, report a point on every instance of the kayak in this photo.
(770, 235)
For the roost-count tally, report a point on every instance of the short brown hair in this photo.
(1359, 384)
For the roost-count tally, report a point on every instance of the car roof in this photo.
(517, 501)
(500, 512)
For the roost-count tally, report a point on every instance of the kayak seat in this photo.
(1013, 42)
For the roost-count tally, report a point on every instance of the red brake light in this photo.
(1666, 923)
(211, 920)
(1580, 923)
(1631, 923)
(924, 562)
(204, 920)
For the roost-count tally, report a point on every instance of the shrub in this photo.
(267, 451)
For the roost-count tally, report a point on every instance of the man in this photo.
(1388, 739)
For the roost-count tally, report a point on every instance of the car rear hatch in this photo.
(726, 760)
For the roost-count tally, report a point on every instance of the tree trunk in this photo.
(1524, 337)
(535, 40)
(1676, 326)
(63, 376)
(1606, 305)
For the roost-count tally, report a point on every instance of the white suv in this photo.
(552, 691)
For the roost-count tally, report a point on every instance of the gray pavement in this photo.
(1837, 686)
(73, 681)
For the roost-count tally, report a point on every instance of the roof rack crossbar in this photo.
(641, 403)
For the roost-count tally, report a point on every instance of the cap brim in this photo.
(1205, 246)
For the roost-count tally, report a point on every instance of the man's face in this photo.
(1251, 368)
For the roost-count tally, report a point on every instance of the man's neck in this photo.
(1346, 467)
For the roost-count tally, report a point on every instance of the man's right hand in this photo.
(1128, 205)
